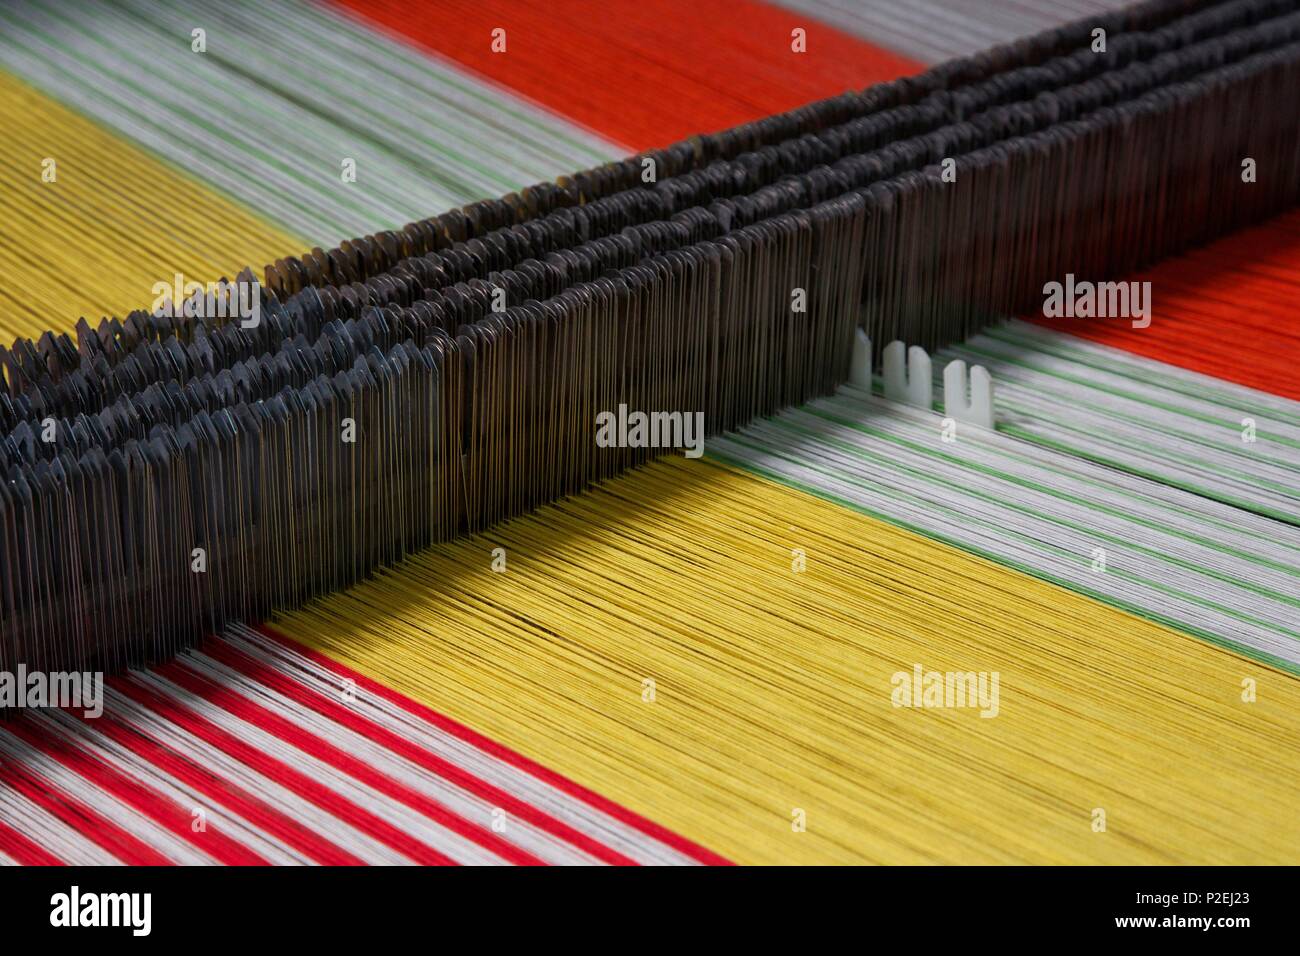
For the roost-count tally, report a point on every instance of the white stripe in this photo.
(92, 795)
(391, 811)
(936, 30)
(425, 135)
(474, 809)
(42, 827)
(577, 813)
(51, 833)
(137, 768)
(276, 795)
(1142, 416)
(1163, 548)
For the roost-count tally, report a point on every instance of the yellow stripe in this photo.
(113, 222)
(773, 688)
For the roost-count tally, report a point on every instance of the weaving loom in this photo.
(466, 631)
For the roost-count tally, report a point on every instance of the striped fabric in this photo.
(1174, 557)
(935, 30)
(254, 751)
(256, 116)
(1143, 417)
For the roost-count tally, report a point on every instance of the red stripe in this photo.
(317, 793)
(22, 850)
(241, 662)
(237, 704)
(162, 810)
(97, 829)
(575, 790)
(644, 74)
(223, 793)
(1226, 310)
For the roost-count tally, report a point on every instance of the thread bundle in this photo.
(291, 765)
(1153, 550)
(1223, 310)
(772, 686)
(108, 222)
(419, 134)
(217, 450)
(1179, 428)
(643, 75)
(933, 30)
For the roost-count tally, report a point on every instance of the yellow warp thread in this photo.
(113, 222)
(772, 687)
